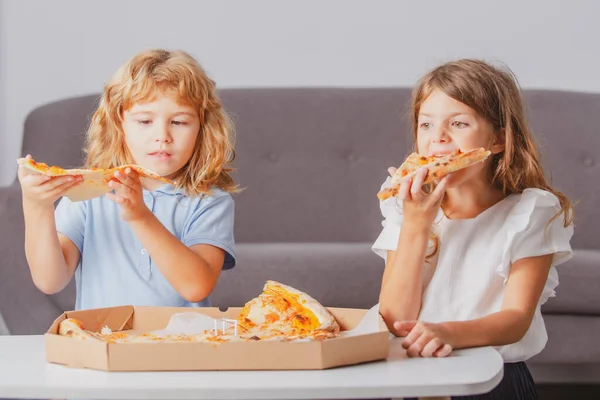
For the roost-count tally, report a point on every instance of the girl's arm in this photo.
(402, 284)
(526, 281)
(524, 287)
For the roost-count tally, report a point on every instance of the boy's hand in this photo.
(423, 339)
(128, 194)
(42, 190)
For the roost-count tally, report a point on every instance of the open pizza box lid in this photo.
(364, 337)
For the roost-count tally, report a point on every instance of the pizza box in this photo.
(364, 337)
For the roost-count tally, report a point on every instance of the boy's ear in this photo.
(498, 146)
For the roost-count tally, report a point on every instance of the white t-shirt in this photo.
(467, 277)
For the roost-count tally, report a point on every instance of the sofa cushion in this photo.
(572, 339)
(578, 290)
(335, 274)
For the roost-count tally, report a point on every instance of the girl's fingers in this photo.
(430, 348)
(438, 192)
(416, 190)
(418, 345)
(412, 336)
(404, 190)
(444, 351)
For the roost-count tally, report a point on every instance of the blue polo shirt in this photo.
(115, 269)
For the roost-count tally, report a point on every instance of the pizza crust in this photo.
(95, 180)
(437, 168)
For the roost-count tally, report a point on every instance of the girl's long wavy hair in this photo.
(495, 95)
(141, 79)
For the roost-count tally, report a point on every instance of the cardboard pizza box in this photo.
(364, 338)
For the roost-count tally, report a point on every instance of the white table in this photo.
(24, 373)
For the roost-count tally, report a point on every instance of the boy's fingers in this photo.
(117, 199)
(34, 179)
(60, 189)
(59, 181)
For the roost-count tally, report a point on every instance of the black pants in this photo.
(517, 384)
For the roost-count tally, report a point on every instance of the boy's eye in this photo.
(459, 124)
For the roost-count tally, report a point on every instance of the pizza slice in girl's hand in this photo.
(437, 166)
(95, 180)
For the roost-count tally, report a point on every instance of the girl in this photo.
(470, 262)
(146, 243)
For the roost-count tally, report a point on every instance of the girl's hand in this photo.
(43, 191)
(422, 339)
(128, 194)
(419, 207)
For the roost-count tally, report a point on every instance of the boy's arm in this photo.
(192, 271)
(51, 256)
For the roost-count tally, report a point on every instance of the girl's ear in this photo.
(498, 145)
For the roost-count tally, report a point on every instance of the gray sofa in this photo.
(312, 161)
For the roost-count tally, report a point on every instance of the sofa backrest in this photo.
(311, 160)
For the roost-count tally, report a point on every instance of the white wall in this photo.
(54, 49)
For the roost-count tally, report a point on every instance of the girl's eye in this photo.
(459, 124)
(425, 125)
(144, 121)
(179, 123)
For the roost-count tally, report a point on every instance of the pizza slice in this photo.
(282, 312)
(73, 328)
(95, 180)
(437, 166)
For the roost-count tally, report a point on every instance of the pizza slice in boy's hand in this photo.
(437, 166)
(95, 180)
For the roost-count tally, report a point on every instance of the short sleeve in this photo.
(535, 230)
(70, 220)
(212, 223)
(392, 214)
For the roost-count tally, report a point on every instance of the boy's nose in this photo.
(162, 135)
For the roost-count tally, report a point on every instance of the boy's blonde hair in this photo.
(495, 95)
(141, 79)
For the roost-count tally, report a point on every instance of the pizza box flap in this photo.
(116, 318)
